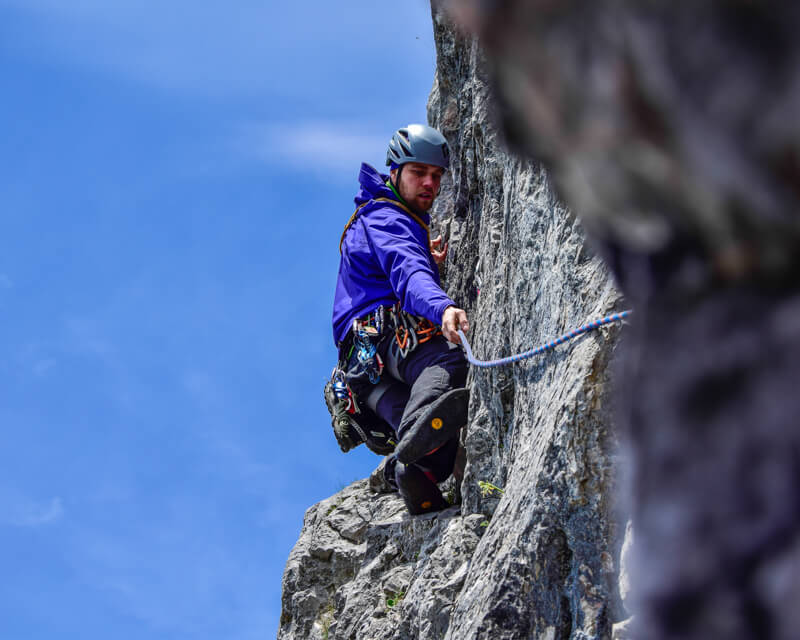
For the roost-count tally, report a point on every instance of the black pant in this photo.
(408, 385)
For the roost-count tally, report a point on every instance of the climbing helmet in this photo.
(418, 143)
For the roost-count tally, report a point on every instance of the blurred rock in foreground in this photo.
(673, 130)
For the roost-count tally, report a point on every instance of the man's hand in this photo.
(438, 252)
(454, 319)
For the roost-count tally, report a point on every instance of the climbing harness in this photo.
(409, 331)
(485, 364)
(352, 420)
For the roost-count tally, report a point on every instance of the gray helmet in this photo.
(418, 143)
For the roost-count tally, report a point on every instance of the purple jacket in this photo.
(385, 259)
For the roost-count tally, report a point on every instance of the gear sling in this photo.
(352, 420)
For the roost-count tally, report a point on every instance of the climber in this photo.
(400, 380)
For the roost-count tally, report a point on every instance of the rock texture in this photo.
(536, 557)
(671, 128)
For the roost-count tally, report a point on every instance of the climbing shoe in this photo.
(418, 490)
(437, 424)
(382, 479)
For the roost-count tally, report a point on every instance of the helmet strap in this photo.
(396, 188)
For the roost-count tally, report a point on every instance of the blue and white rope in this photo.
(485, 364)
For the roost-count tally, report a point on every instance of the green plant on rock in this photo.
(394, 599)
(333, 507)
(326, 620)
(488, 489)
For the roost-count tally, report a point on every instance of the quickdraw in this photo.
(364, 338)
(401, 342)
(425, 333)
(411, 331)
(342, 392)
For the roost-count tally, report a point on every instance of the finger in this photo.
(448, 329)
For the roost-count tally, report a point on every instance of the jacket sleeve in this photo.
(400, 246)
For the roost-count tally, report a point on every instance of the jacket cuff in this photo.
(439, 308)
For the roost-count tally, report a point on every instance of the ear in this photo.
(393, 175)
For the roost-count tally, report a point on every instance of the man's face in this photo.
(419, 184)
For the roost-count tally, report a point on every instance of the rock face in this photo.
(535, 557)
(671, 128)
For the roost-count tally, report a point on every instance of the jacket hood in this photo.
(373, 185)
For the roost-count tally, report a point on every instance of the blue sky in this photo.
(174, 178)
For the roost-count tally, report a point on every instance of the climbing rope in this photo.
(485, 364)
